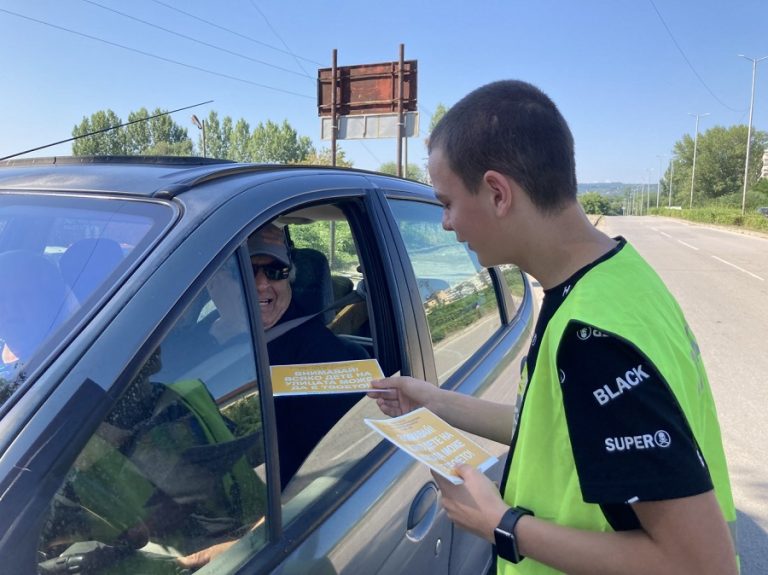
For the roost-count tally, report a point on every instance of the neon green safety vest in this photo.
(622, 296)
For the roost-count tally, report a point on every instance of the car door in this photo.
(142, 414)
(474, 323)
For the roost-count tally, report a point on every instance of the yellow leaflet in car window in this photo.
(425, 436)
(331, 377)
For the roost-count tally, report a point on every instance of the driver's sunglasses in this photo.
(274, 271)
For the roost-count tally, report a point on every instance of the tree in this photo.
(271, 143)
(720, 157)
(324, 158)
(413, 172)
(138, 138)
(239, 146)
(595, 203)
(168, 138)
(215, 144)
(440, 111)
(149, 136)
(108, 143)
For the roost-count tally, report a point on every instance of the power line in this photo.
(687, 61)
(155, 56)
(238, 34)
(192, 39)
(104, 130)
(298, 62)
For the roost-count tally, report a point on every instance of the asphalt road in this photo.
(720, 279)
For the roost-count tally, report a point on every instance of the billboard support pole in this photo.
(400, 131)
(333, 110)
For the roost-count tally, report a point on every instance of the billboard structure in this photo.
(368, 101)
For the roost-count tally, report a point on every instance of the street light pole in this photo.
(695, 145)
(749, 129)
(658, 182)
(671, 177)
(200, 126)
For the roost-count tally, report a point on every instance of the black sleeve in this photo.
(630, 439)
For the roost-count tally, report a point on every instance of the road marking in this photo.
(688, 245)
(665, 234)
(738, 268)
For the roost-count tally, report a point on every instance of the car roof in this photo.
(148, 176)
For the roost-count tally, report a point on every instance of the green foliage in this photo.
(720, 157)
(594, 203)
(440, 111)
(724, 216)
(239, 149)
(446, 319)
(245, 414)
(340, 251)
(279, 144)
(324, 158)
(413, 172)
(108, 143)
(156, 136)
(600, 204)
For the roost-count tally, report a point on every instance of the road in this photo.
(720, 279)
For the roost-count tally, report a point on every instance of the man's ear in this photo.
(501, 190)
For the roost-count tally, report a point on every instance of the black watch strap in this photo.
(504, 534)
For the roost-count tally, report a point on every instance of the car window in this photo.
(177, 466)
(456, 291)
(512, 276)
(58, 254)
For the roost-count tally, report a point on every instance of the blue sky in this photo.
(626, 74)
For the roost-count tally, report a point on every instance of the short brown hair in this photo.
(514, 128)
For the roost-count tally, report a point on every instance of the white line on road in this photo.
(688, 245)
(665, 234)
(738, 268)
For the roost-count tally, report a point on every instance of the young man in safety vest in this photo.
(616, 464)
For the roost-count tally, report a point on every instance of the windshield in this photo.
(58, 254)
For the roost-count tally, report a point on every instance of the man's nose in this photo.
(261, 279)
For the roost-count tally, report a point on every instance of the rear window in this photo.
(58, 255)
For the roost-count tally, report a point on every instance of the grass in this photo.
(731, 217)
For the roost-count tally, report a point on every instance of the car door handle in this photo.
(423, 512)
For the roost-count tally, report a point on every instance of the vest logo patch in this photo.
(660, 439)
(586, 332)
(630, 380)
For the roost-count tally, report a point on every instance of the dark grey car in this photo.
(127, 439)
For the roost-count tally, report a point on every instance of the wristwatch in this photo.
(504, 534)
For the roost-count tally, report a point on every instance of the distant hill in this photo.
(606, 188)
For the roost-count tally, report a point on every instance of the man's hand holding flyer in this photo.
(431, 440)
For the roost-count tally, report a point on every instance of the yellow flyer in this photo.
(332, 377)
(431, 440)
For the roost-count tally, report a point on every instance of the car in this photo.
(125, 442)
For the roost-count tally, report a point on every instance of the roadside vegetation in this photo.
(104, 133)
(714, 195)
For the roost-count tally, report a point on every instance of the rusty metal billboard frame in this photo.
(386, 88)
(367, 89)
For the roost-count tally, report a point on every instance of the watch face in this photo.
(504, 535)
(506, 546)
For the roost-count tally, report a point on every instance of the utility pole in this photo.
(200, 126)
(658, 182)
(749, 130)
(695, 145)
(671, 177)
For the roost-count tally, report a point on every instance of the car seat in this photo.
(312, 286)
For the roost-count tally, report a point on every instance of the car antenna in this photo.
(103, 130)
